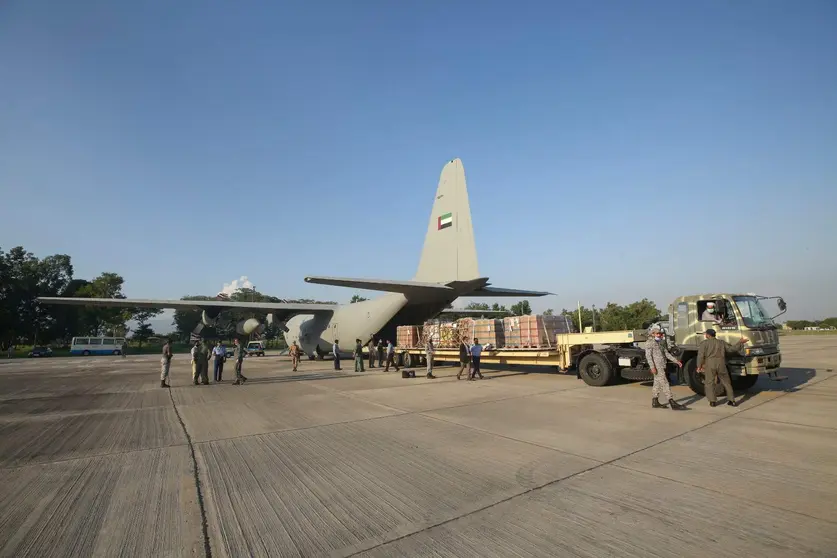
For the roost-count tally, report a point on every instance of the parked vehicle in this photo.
(40, 352)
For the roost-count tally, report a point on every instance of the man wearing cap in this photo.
(656, 354)
(712, 361)
(709, 314)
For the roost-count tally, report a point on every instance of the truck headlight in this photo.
(754, 351)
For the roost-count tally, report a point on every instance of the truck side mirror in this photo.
(782, 305)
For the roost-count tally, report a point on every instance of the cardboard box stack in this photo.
(534, 331)
(487, 331)
(407, 336)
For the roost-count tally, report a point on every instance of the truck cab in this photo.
(732, 316)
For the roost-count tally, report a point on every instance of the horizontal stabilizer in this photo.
(290, 307)
(496, 291)
(404, 287)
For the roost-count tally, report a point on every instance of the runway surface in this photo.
(97, 460)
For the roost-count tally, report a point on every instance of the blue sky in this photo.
(613, 150)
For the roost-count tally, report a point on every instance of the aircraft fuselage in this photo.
(377, 318)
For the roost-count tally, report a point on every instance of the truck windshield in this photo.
(752, 312)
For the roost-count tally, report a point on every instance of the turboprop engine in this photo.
(246, 327)
(209, 317)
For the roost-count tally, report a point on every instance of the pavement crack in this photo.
(207, 547)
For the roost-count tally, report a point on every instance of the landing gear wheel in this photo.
(695, 380)
(595, 370)
(408, 360)
(743, 383)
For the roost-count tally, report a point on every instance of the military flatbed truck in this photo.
(599, 358)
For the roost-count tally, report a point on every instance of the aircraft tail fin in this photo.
(449, 253)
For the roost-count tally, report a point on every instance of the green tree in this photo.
(478, 306)
(586, 318)
(548, 312)
(357, 298)
(521, 308)
(24, 278)
(101, 320)
(498, 308)
(829, 322)
(143, 332)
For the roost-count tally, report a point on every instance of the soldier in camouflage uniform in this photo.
(238, 355)
(712, 361)
(656, 354)
(201, 365)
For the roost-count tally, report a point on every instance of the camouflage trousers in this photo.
(359, 363)
(164, 369)
(661, 385)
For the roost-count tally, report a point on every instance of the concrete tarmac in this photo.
(97, 460)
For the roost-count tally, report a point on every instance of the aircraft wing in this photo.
(288, 307)
(403, 287)
(496, 291)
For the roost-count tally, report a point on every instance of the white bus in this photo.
(96, 346)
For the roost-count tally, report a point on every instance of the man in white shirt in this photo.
(335, 348)
(390, 357)
(476, 351)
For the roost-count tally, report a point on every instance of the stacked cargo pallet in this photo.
(443, 334)
(407, 336)
(534, 332)
(487, 331)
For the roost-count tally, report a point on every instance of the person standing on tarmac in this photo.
(335, 348)
(712, 361)
(380, 352)
(656, 354)
(371, 348)
(238, 356)
(429, 351)
(165, 364)
(220, 353)
(294, 351)
(358, 354)
(201, 365)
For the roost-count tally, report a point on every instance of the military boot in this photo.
(732, 403)
(163, 384)
(675, 406)
(655, 403)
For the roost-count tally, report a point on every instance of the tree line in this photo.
(802, 324)
(25, 277)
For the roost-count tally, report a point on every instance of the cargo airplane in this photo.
(447, 270)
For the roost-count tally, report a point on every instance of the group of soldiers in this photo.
(711, 361)
(385, 355)
(201, 355)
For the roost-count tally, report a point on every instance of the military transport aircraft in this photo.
(447, 270)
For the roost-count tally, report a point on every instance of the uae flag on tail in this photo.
(445, 220)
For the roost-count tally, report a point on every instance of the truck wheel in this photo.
(408, 360)
(695, 380)
(595, 370)
(743, 383)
